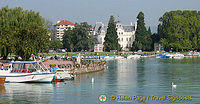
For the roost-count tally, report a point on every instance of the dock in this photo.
(88, 70)
(73, 69)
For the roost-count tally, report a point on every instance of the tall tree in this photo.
(142, 36)
(78, 39)
(23, 32)
(111, 38)
(149, 40)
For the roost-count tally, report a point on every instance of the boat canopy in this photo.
(24, 62)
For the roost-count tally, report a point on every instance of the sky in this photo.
(93, 11)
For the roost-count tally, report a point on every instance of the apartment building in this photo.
(59, 28)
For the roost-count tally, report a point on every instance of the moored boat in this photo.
(178, 56)
(188, 56)
(26, 71)
(164, 55)
(61, 75)
(109, 58)
(119, 57)
(148, 56)
(133, 56)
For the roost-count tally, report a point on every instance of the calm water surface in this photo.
(142, 77)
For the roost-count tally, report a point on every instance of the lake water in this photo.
(142, 78)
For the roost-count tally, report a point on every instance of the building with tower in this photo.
(126, 34)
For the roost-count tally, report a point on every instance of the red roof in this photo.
(65, 23)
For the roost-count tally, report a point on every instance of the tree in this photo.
(56, 44)
(23, 32)
(179, 30)
(111, 38)
(68, 38)
(149, 42)
(142, 36)
(6, 34)
(78, 39)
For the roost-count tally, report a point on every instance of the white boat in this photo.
(178, 56)
(133, 56)
(158, 57)
(62, 74)
(119, 57)
(109, 58)
(25, 71)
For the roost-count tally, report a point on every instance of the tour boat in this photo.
(133, 56)
(61, 75)
(25, 71)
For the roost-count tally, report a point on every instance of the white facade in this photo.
(98, 48)
(100, 32)
(126, 34)
(59, 28)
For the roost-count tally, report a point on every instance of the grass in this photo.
(92, 53)
(95, 53)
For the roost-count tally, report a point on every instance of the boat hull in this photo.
(61, 76)
(28, 77)
(178, 57)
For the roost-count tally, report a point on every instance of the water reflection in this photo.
(152, 78)
(2, 88)
(126, 75)
(26, 93)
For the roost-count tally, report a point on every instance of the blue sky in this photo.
(93, 11)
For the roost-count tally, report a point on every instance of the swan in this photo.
(173, 85)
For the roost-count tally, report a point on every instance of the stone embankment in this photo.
(84, 70)
(69, 65)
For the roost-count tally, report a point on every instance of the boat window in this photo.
(1, 66)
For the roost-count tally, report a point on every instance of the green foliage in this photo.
(142, 36)
(78, 38)
(68, 40)
(23, 32)
(56, 44)
(53, 65)
(179, 30)
(111, 38)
